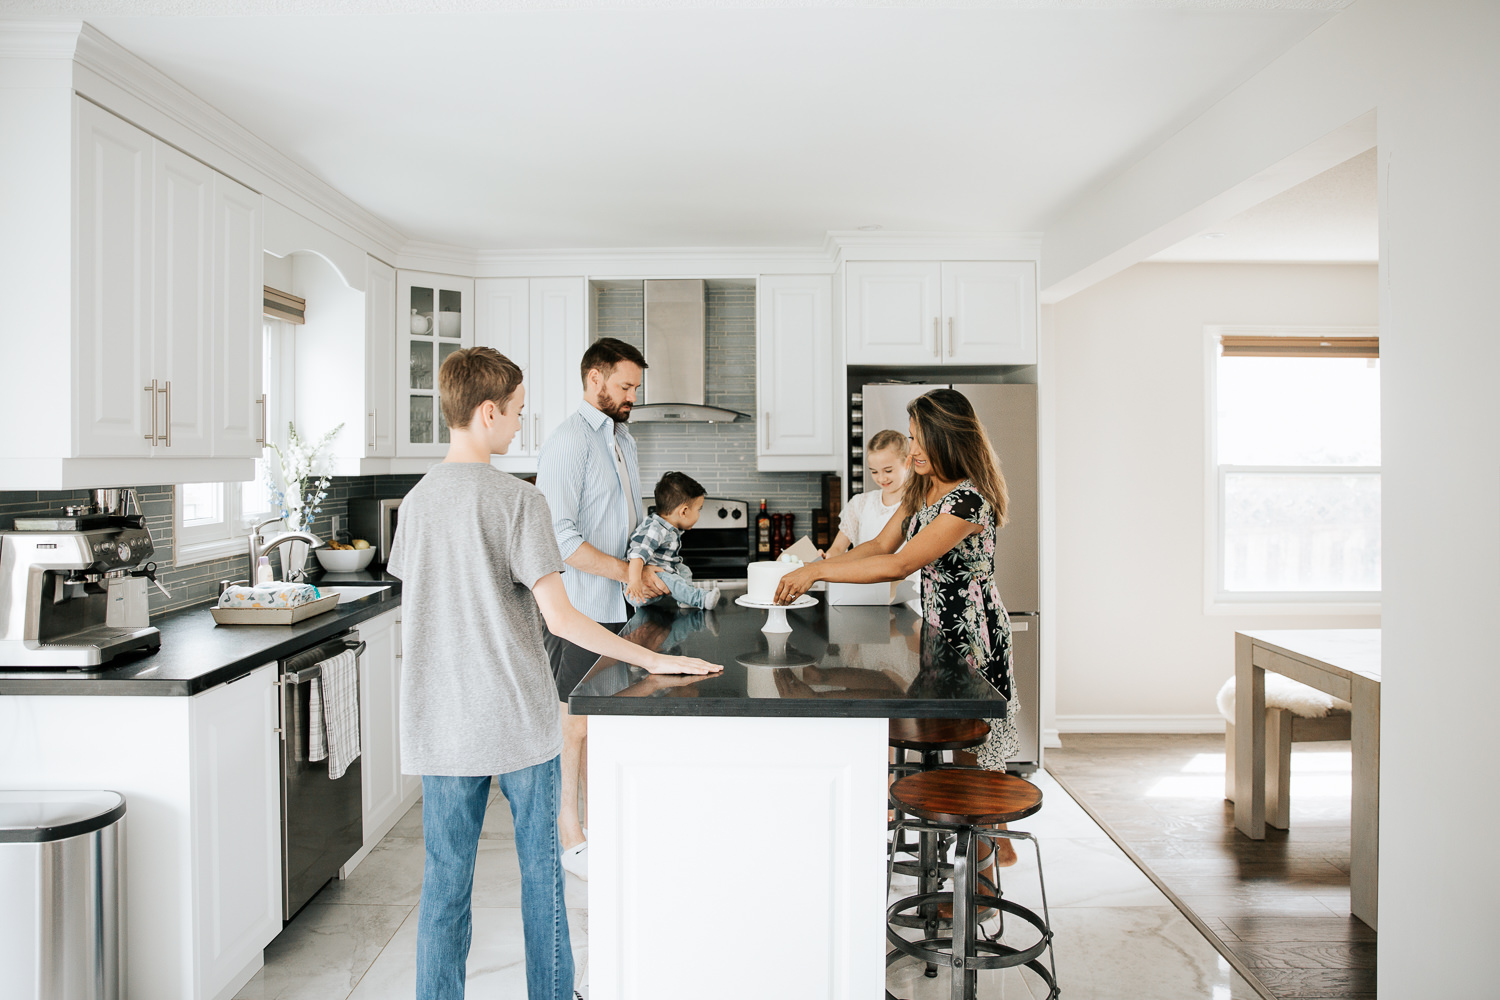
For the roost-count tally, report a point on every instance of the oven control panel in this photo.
(716, 513)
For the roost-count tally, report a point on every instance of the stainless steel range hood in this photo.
(674, 384)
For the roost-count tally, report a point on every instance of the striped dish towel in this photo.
(333, 714)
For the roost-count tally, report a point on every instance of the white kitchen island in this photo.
(737, 822)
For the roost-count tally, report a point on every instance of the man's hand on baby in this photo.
(651, 583)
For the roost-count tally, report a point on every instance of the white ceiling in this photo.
(1330, 217)
(530, 129)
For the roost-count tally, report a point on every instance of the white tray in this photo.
(275, 616)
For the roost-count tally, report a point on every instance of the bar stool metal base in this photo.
(972, 952)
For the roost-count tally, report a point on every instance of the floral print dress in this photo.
(961, 598)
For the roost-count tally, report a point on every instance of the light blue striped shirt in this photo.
(576, 473)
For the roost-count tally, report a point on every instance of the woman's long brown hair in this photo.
(957, 449)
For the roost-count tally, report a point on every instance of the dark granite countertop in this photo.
(197, 653)
(838, 662)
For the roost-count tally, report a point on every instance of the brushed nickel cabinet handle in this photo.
(261, 402)
(370, 437)
(950, 336)
(525, 437)
(166, 390)
(765, 419)
(150, 391)
(937, 339)
(536, 430)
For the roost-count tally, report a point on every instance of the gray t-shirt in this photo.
(477, 695)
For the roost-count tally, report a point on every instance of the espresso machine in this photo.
(73, 586)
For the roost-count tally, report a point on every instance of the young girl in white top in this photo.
(866, 514)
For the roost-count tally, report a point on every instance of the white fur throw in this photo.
(1283, 692)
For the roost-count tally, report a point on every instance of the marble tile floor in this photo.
(1280, 905)
(1118, 937)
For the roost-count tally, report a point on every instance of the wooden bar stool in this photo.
(964, 803)
(930, 738)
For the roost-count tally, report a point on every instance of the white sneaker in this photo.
(710, 599)
(576, 860)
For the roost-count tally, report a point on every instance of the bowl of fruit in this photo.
(344, 557)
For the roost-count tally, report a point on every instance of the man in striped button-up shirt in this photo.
(587, 470)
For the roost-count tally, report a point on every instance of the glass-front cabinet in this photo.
(434, 318)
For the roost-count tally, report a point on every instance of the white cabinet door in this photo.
(236, 826)
(794, 372)
(559, 336)
(502, 308)
(380, 359)
(182, 306)
(434, 318)
(239, 294)
(112, 293)
(989, 313)
(892, 312)
(380, 724)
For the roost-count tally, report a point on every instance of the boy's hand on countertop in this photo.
(683, 665)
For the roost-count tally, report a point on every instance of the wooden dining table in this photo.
(1346, 664)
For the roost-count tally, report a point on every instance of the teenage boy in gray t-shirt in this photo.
(480, 568)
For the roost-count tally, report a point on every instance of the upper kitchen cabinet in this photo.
(239, 295)
(541, 325)
(380, 358)
(434, 318)
(795, 378)
(948, 313)
(165, 349)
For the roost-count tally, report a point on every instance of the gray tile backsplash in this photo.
(198, 582)
(720, 456)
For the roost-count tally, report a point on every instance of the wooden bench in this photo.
(1283, 728)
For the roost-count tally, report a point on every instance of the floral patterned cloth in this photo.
(961, 599)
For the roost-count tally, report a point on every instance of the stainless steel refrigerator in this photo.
(1009, 415)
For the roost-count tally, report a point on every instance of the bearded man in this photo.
(587, 471)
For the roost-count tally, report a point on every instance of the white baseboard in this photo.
(1050, 739)
(1213, 723)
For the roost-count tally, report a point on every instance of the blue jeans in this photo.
(452, 813)
(680, 588)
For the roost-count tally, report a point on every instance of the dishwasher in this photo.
(322, 820)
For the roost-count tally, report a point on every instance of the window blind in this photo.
(285, 306)
(1245, 346)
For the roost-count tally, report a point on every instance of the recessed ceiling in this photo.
(1327, 218)
(533, 129)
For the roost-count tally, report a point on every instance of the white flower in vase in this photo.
(298, 496)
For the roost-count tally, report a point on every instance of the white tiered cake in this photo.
(763, 578)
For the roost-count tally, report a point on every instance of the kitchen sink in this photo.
(348, 594)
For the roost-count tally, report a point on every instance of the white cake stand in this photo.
(776, 619)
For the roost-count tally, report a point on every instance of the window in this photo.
(213, 519)
(1295, 492)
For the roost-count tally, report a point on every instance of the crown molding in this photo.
(39, 39)
(933, 245)
(116, 66)
(719, 262)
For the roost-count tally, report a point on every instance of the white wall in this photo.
(1430, 73)
(1136, 650)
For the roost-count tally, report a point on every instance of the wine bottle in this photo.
(763, 533)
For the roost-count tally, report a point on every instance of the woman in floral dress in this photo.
(955, 501)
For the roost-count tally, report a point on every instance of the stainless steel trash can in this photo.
(61, 937)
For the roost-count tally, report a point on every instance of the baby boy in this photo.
(657, 541)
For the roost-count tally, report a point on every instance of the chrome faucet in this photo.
(258, 546)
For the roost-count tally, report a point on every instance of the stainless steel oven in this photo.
(322, 819)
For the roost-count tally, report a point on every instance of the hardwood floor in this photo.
(1281, 905)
